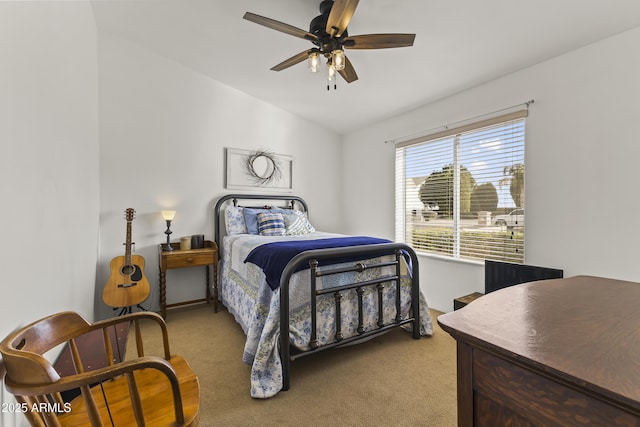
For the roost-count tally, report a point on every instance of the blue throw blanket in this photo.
(273, 257)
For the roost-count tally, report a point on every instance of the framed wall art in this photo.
(251, 169)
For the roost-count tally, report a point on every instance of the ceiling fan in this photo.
(328, 32)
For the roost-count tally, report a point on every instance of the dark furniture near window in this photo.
(556, 353)
(500, 275)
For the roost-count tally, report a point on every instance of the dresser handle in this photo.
(190, 259)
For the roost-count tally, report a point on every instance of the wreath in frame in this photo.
(263, 167)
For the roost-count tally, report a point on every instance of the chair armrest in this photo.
(91, 377)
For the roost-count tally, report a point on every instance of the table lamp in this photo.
(168, 217)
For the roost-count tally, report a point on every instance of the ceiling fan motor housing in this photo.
(318, 27)
(325, 7)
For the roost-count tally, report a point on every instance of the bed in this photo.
(296, 291)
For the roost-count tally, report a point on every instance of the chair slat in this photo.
(139, 346)
(136, 404)
(107, 346)
(75, 354)
(93, 415)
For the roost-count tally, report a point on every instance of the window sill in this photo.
(449, 259)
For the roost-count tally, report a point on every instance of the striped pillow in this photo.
(271, 224)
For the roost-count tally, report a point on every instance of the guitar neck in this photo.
(127, 250)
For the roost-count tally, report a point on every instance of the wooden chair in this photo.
(144, 390)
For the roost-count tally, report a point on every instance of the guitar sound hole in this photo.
(127, 270)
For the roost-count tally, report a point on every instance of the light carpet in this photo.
(392, 380)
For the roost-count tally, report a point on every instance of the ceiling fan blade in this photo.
(295, 59)
(348, 73)
(280, 26)
(340, 16)
(378, 41)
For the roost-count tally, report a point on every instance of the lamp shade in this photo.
(168, 215)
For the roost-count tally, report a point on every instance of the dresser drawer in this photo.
(508, 394)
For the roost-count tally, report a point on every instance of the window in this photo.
(460, 192)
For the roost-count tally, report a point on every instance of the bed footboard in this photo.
(311, 258)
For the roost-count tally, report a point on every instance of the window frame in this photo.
(403, 220)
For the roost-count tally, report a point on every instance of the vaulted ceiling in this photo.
(459, 44)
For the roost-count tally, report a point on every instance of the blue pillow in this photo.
(251, 218)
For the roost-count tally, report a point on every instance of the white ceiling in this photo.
(459, 44)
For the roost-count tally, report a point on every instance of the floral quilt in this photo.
(256, 307)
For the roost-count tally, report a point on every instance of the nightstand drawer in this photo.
(189, 259)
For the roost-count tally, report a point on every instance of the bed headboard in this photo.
(253, 201)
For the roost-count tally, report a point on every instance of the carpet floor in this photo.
(392, 380)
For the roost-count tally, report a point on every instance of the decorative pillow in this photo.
(297, 224)
(251, 218)
(234, 220)
(271, 224)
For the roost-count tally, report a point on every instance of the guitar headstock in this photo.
(129, 214)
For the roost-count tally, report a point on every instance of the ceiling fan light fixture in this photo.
(331, 72)
(338, 58)
(313, 61)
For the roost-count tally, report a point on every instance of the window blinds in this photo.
(460, 192)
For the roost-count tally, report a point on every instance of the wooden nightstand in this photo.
(207, 257)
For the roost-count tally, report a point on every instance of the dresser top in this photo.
(584, 330)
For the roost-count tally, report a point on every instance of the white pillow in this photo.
(297, 224)
(234, 220)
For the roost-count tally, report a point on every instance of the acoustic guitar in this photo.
(127, 285)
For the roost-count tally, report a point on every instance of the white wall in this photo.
(163, 130)
(49, 162)
(582, 155)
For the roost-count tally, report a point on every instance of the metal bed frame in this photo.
(311, 258)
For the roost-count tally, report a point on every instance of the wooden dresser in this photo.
(563, 352)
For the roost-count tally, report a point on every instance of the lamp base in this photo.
(168, 232)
